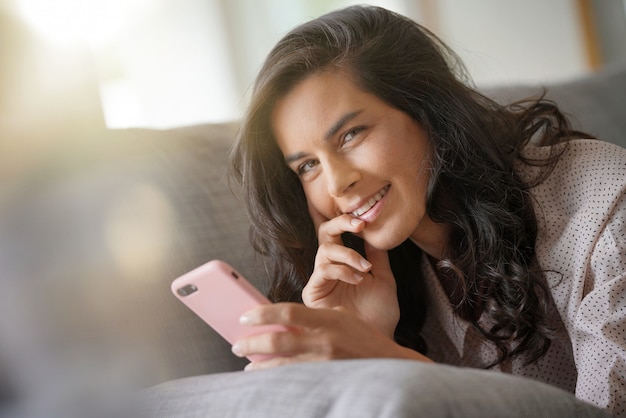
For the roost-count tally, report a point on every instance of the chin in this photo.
(384, 241)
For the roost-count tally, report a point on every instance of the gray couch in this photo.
(92, 236)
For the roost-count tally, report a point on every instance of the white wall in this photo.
(504, 41)
(169, 67)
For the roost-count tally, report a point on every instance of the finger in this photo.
(319, 343)
(267, 343)
(280, 344)
(294, 316)
(268, 364)
(322, 283)
(280, 361)
(378, 258)
(381, 267)
(334, 273)
(338, 254)
(331, 230)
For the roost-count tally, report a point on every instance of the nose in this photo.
(341, 176)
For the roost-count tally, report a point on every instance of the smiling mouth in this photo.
(371, 202)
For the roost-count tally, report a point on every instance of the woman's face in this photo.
(355, 154)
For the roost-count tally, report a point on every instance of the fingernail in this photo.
(355, 222)
(365, 264)
(236, 349)
(245, 319)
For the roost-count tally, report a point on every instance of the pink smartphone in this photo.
(219, 294)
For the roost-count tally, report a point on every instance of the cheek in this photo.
(319, 202)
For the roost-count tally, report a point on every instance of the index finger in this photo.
(331, 231)
(289, 314)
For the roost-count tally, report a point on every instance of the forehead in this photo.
(315, 104)
(325, 88)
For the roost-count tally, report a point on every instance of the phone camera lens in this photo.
(187, 290)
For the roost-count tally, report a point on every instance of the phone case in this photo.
(219, 294)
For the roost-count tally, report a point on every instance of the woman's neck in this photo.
(432, 237)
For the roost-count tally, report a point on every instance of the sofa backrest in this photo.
(596, 104)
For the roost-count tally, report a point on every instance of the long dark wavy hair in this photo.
(474, 186)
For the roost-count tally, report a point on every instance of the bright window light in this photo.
(67, 22)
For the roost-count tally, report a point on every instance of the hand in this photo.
(343, 278)
(315, 335)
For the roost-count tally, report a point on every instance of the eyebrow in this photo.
(342, 121)
(329, 134)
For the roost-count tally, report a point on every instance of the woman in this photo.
(416, 218)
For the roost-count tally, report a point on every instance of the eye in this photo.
(307, 166)
(351, 134)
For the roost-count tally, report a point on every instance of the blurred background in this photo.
(164, 63)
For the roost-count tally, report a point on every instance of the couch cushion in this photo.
(363, 388)
(596, 104)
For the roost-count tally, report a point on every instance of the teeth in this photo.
(360, 211)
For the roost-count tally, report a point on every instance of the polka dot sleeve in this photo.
(581, 247)
(600, 341)
(581, 244)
